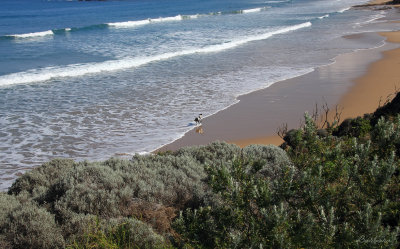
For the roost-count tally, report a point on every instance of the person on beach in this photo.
(198, 119)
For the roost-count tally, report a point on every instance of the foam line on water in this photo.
(343, 10)
(129, 24)
(287, 75)
(324, 16)
(75, 70)
(279, 1)
(148, 21)
(252, 10)
(374, 18)
(31, 35)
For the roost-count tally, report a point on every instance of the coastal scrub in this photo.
(333, 189)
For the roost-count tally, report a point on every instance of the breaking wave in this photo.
(32, 35)
(343, 10)
(151, 20)
(74, 70)
(325, 16)
(130, 24)
(252, 10)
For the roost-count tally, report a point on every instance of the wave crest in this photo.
(75, 70)
(343, 10)
(324, 16)
(129, 24)
(31, 35)
(252, 10)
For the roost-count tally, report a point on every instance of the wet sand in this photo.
(357, 83)
(379, 3)
(378, 85)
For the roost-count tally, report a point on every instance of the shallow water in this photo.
(91, 80)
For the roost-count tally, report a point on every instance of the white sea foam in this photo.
(74, 70)
(129, 24)
(167, 19)
(343, 10)
(67, 29)
(143, 153)
(191, 16)
(325, 16)
(252, 10)
(232, 44)
(280, 1)
(374, 18)
(30, 35)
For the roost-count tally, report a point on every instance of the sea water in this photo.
(92, 80)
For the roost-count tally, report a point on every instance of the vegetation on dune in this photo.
(325, 188)
(341, 192)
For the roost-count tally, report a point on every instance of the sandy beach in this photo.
(377, 85)
(357, 83)
(379, 3)
(374, 88)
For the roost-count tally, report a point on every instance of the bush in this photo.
(24, 225)
(322, 191)
(209, 154)
(293, 137)
(357, 127)
(342, 193)
(119, 233)
(38, 180)
(111, 189)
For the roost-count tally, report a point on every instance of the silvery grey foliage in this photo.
(214, 153)
(69, 195)
(139, 233)
(25, 225)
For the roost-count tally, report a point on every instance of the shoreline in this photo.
(264, 111)
(257, 116)
(378, 3)
(382, 72)
(363, 97)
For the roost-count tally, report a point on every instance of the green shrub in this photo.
(37, 180)
(111, 189)
(358, 127)
(322, 191)
(118, 233)
(342, 193)
(293, 137)
(25, 225)
(209, 154)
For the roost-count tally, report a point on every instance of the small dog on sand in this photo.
(198, 119)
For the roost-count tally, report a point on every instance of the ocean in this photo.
(97, 79)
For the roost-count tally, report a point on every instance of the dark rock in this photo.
(322, 133)
(291, 138)
(344, 128)
(357, 127)
(390, 109)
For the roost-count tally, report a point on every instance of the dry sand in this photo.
(379, 1)
(374, 3)
(255, 119)
(375, 87)
(378, 84)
